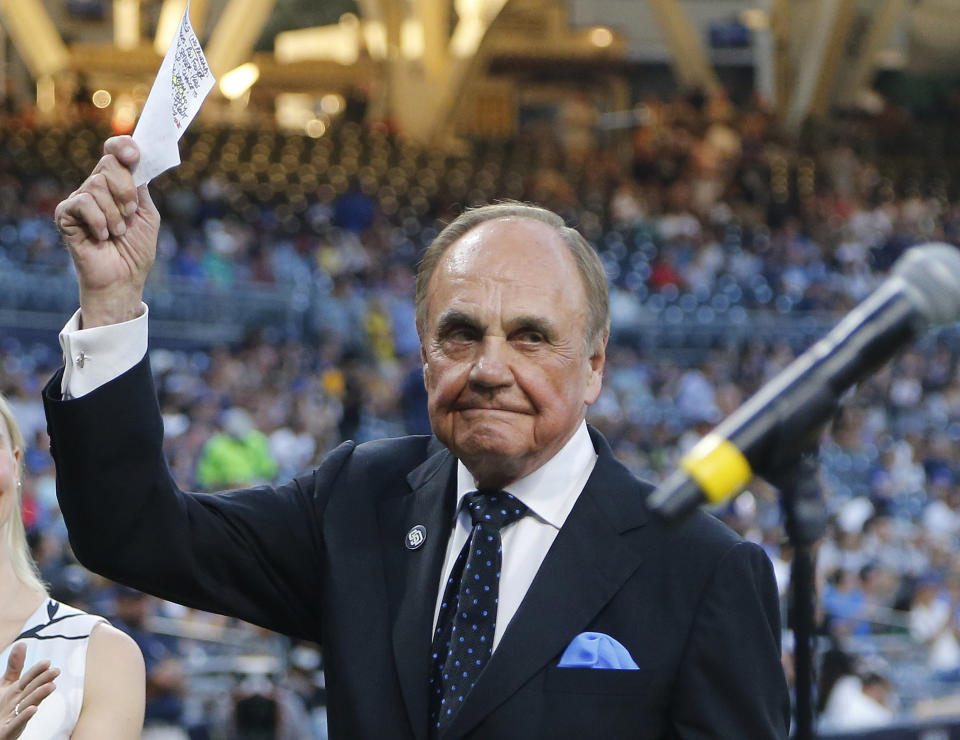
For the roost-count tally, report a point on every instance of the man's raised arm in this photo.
(110, 228)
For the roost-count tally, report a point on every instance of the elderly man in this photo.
(500, 579)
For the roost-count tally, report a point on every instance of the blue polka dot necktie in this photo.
(463, 640)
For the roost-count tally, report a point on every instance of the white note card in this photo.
(178, 92)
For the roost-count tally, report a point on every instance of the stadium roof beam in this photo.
(689, 58)
(834, 57)
(170, 13)
(236, 33)
(817, 70)
(126, 23)
(109, 65)
(882, 25)
(381, 21)
(106, 60)
(428, 103)
(388, 13)
(276, 77)
(783, 77)
(422, 104)
(35, 36)
(463, 63)
(434, 17)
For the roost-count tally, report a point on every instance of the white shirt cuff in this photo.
(94, 357)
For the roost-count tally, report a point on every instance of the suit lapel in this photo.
(595, 552)
(413, 575)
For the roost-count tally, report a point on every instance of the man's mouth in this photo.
(475, 410)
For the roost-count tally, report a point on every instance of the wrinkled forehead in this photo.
(518, 249)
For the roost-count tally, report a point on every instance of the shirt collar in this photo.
(551, 490)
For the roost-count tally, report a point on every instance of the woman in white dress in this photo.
(99, 692)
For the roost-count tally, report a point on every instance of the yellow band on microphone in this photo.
(718, 467)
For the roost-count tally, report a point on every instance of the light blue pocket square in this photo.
(596, 650)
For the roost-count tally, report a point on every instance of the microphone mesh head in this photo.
(931, 277)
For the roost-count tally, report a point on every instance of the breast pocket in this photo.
(595, 681)
(596, 703)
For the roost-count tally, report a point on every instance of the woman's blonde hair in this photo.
(14, 535)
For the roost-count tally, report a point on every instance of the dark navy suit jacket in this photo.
(323, 557)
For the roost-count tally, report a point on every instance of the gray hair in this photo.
(592, 273)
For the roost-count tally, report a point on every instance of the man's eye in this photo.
(460, 335)
(531, 337)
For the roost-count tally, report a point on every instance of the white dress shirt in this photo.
(93, 357)
(549, 492)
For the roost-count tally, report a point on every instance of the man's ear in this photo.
(597, 361)
(426, 366)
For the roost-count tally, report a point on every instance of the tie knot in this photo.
(494, 508)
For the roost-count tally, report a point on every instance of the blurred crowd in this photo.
(710, 225)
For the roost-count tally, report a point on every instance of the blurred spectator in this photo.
(166, 682)
(353, 210)
(264, 710)
(933, 623)
(845, 604)
(239, 455)
(305, 678)
(859, 703)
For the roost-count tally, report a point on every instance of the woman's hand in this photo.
(21, 695)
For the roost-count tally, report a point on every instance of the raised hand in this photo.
(110, 228)
(21, 695)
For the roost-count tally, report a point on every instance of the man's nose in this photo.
(491, 368)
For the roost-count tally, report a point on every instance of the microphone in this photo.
(779, 421)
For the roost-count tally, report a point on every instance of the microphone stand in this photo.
(805, 522)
